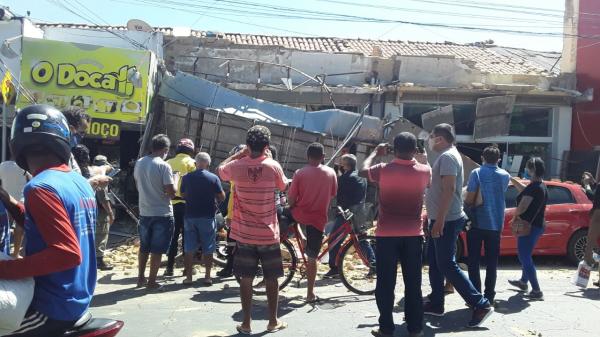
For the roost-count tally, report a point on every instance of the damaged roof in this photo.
(487, 58)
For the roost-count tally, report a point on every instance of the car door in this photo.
(508, 243)
(559, 214)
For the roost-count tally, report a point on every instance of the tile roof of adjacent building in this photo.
(487, 58)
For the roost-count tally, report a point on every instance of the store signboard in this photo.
(104, 129)
(109, 83)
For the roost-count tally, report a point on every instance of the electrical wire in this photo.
(184, 6)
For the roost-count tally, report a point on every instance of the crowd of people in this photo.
(62, 199)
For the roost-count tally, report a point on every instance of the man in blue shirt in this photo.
(200, 189)
(351, 194)
(59, 216)
(490, 182)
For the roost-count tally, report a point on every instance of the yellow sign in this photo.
(104, 129)
(8, 89)
(109, 83)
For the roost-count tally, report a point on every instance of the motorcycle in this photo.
(87, 326)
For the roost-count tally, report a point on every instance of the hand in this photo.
(438, 228)
(99, 181)
(421, 158)
(381, 150)
(268, 153)
(245, 151)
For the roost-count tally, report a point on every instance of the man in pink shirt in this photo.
(313, 187)
(402, 185)
(254, 225)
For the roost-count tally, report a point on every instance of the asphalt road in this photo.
(214, 311)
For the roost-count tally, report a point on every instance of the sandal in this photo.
(243, 331)
(280, 326)
(316, 299)
(154, 287)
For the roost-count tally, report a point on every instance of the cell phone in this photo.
(421, 145)
(389, 148)
(114, 172)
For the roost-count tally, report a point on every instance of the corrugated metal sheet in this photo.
(201, 93)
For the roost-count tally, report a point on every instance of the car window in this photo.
(511, 197)
(559, 195)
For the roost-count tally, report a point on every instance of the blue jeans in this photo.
(525, 245)
(407, 251)
(364, 245)
(491, 244)
(155, 233)
(442, 264)
(200, 232)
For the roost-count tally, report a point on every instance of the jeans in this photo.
(364, 245)
(155, 234)
(408, 251)
(525, 245)
(442, 264)
(491, 244)
(178, 214)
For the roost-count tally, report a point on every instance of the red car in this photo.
(567, 222)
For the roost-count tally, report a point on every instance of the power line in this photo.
(445, 13)
(353, 18)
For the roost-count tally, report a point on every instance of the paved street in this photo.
(214, 311)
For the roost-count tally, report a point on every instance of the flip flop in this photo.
(280, 326)
(154, 287)
(317, 299)
(242, 331)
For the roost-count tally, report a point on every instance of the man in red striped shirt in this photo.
(254, 224)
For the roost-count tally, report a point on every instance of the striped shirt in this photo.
(254, 219)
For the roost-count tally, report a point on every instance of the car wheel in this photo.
(576, 246)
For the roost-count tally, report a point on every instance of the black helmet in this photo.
(40, 125)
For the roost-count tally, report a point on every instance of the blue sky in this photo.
(543, 16)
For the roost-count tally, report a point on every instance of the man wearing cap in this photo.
(181, 164)
(106, 215)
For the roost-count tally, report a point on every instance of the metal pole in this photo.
(4, 131)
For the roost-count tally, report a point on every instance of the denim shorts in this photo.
(197, 232)
(155, 234)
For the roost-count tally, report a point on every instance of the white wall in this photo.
(152, 41)
(8, 30)
(561, 134)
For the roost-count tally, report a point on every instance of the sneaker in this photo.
(519, 284)
(103, 265)
(225, 273)
(430, 310)
(168, 272)
(535, 295)
(479, 316)
(332, 273)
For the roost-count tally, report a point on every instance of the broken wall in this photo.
(342, 69)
